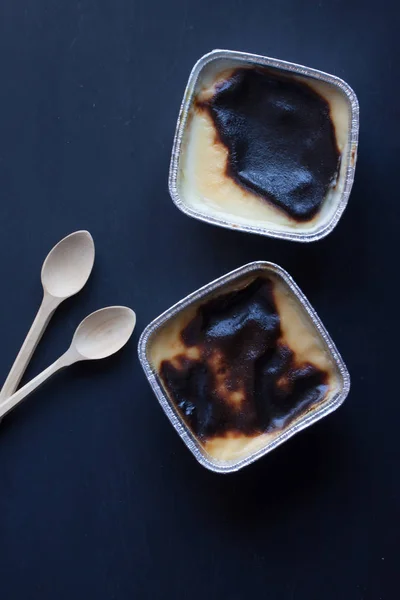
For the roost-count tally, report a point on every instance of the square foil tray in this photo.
(169, 408)
(349, 157)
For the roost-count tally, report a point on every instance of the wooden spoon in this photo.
(64, 273)
(100, 335)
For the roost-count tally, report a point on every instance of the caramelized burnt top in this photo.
(280, 138)
(237, 375)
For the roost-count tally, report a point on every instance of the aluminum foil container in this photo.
(317, 229)
(212, 289)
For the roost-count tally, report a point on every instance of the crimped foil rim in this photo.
(279, 64)
(171, 412)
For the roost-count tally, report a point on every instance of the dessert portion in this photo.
(243, 365)
(264, 147)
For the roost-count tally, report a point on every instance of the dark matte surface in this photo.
(280, 139)
(99, 498)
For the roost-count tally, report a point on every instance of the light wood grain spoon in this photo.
(100, 335)
(65, 271)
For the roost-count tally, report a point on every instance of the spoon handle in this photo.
(44, 314)
(9, 403)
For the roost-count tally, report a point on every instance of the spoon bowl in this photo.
(104, 332)
(101, 334)
(64, 273)
(68, 265)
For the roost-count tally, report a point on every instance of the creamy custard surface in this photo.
(243, 366)
(206, 182)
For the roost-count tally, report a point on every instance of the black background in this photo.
(99, 498)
